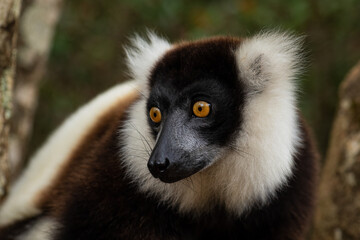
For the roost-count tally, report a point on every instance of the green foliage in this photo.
(87, 55)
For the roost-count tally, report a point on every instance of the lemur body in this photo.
(143, 161)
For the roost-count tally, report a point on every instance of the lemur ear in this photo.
(269, 58)
(142, 54)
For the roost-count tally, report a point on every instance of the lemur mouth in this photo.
(170, 172)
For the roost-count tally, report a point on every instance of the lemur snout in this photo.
(158, 166)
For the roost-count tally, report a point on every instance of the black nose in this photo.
(161, 166)
(158, 166)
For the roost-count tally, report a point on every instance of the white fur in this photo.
(261, 159)
(53, 156)
(41, 231)
(143, 55)
(270, 133)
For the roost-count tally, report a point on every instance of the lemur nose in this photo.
(162, 165)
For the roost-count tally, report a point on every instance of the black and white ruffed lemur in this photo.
(205, 142)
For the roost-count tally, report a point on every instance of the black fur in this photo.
(206, 71)
(185, 75)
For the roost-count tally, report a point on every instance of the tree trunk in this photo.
(37, 26)
(9, 14)
(338, 213)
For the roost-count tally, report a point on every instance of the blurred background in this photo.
(87, 54)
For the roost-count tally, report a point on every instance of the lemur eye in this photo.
(155, 114)
(201, 109)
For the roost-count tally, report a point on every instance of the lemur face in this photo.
(194, 107)
(224, 104)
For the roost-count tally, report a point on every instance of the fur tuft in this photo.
(269, 58)
(142, 54)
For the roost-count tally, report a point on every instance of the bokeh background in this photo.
(87, 56)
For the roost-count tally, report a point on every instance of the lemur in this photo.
(203, 142)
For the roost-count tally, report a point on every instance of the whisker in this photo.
(138, 156)
(146, 140)
(201, 186)
(138, 150)
(187, 185)
(139, 91)
(137, 138)
(144, 150)
(142, 138)
(241, 152)
(192, 184)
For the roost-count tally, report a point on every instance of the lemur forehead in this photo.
(188, 62)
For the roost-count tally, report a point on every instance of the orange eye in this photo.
(155, 114)
(201, 109)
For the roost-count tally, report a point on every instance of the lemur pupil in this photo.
(155, 115)
(200, 109)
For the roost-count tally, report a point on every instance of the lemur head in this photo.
(219, 112)
(194, 107)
